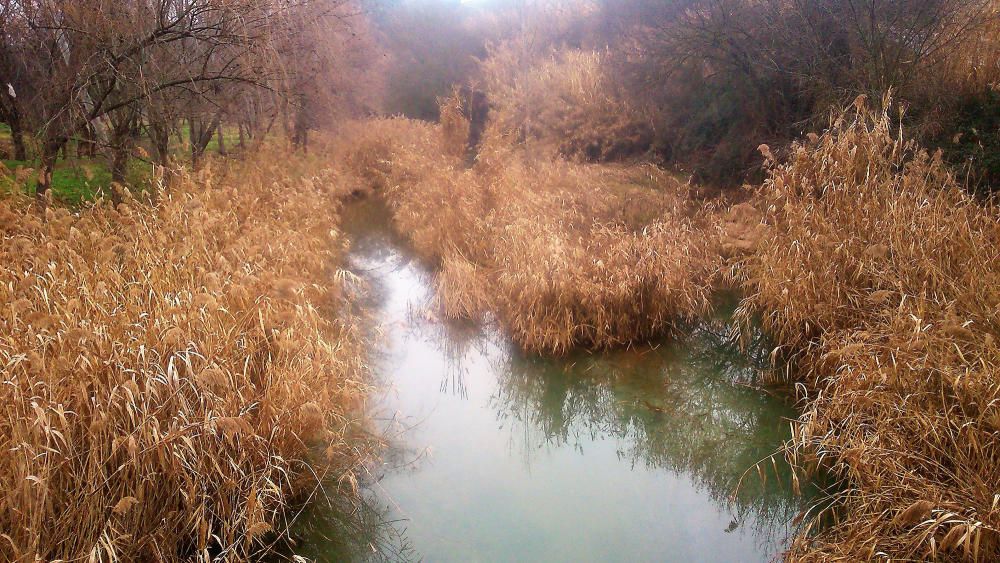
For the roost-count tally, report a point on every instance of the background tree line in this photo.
(694, 84)
(714, 79)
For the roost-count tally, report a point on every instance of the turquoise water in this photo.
(641, 455)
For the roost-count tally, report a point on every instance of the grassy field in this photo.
(74, 180)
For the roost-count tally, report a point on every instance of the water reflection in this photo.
(687, 406)
(332, 529)
(630, 455)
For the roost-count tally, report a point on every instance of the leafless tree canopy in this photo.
(101, 72)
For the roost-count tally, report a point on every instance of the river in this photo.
(649, 454)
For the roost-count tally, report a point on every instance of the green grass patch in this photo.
(75, 181)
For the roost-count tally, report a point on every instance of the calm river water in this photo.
(497, 456)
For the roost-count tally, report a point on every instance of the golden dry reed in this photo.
(562, 102)
(563, 254)
(172, 371)
(454, 125)
(880, 279)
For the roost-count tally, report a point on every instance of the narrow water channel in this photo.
(497, 456)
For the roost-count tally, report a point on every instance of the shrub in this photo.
(562, 103)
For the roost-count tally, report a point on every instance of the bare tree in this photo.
(328, 57)
(724, 76)
(86, 61)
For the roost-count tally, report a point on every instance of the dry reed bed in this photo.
(563, 254)
(562, 102)
(169, 370)
(880, 279)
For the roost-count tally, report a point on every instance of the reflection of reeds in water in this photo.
(333, 530)
(456, 340)
(688, 407)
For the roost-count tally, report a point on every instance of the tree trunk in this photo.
(479, 111)
(159, 134)
(300, 133)
(50, 153)
(194, 136)
(201, 134)
(123, 133)
(87, 146)
(17, 134)
(300, 128)
(301, 140)
(119, 163)
(10, 115)
(222, 140)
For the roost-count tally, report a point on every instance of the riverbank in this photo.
(879, 278)
(180, 372)
(176, 372)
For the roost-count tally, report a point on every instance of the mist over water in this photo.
(495, 455)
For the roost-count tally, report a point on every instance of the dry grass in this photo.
(454, 125)
(561, 102)
(171, 372)
(880, 280)
(968, 67)
(563, 254)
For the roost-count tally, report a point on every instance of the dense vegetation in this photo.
(863, 253)
(121, 82)
(179, 365)
(170, 366)
(878, 276)
(699, 84)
